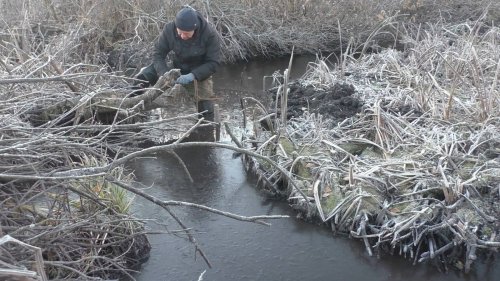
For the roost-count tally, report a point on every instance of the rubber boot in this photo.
(206, 133)
(208, 106)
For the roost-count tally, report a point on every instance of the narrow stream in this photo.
(288, 250)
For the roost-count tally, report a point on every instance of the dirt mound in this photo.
(336, 103)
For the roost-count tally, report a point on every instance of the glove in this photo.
(185, 79)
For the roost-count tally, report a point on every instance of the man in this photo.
(196, 52)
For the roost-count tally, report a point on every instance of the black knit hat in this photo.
(187, 19)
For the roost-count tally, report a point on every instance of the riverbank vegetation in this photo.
(63, 210)
(121, 32)
(415, 170)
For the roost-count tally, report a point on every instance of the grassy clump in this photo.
(113, 196)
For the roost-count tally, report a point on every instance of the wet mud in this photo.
(336, 103)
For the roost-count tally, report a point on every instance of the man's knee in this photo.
(205, 89)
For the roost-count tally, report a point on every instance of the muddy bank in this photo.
(335, 103)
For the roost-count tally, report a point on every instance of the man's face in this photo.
(185, 35)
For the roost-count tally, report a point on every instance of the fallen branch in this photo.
(99, 171)
(59, 78)
(166, 206)
(38, 256)
(255, 219)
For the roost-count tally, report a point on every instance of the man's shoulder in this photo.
(169, 26)
(169, 31)
(208, 30)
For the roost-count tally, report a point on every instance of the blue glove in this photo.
(185, 79)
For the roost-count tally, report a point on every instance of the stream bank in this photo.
(413, 170)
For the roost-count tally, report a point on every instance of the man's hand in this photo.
(185, 79)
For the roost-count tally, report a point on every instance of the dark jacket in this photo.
(199, 55)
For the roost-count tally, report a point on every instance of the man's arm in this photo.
(161, 51)
(212, 59)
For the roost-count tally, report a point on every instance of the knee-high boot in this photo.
(208, 106)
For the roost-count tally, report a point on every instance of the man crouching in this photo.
(195, 51)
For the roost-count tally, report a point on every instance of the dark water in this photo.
(288, 250)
